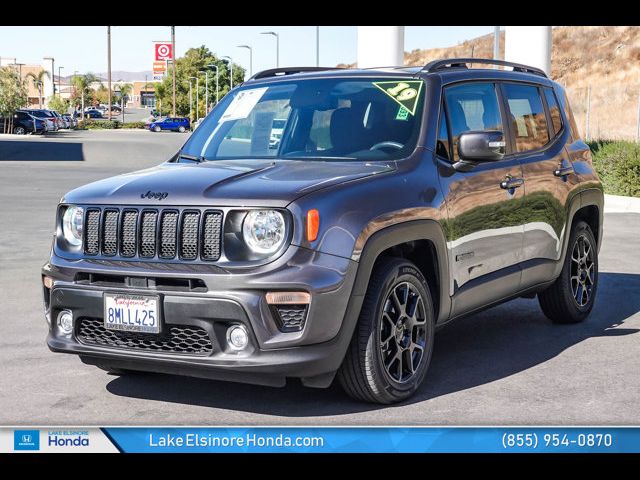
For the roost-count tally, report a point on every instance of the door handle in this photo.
(510, 183)
(562, 171)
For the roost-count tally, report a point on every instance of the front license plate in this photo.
(131, 313)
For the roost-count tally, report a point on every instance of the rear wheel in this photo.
(571, 297)
(181, 129)
(19, 130)
(391, 348)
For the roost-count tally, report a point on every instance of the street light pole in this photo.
(231, 71)
(191, 97)
(217, 77)
(250, 58)
(109, 69)
(206, 91)
(277, 46)
(173, 57)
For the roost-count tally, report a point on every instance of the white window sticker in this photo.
(242, 104)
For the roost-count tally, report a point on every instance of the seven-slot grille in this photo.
(150, 233)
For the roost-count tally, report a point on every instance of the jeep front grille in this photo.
(152, 234)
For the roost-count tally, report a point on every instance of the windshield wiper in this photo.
(193, 158)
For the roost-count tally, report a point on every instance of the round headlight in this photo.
(264, 231)
(72, 224)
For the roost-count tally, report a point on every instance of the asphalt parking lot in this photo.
(505, 366)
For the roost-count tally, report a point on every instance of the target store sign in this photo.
(163, 51)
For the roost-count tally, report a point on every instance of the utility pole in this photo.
(212, 65)
(638, 121)
(230, 71)
(60, 82)
(109, 69)
(496, 44)
(173, 57)
(190, 102)
(53, 73)
(206, 91)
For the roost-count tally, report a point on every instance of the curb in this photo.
(620, 204)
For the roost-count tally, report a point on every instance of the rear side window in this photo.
(471, 106)
(554, 110)
(528, 120)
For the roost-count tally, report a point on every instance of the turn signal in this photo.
(313, 224)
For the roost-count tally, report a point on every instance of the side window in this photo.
(528, 120)
(442, 144)
(554, 110)
(471, 106)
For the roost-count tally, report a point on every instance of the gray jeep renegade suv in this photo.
(384, 204)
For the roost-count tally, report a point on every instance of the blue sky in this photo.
(84, 48)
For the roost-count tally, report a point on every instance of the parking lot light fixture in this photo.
(217, 78)
(60, 81)
(206, 91)
(250, 58)
(230, 71)
(191, 99)
(275, 34)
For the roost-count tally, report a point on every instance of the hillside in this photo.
(605, 58)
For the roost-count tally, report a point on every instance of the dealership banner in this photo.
(322, 439)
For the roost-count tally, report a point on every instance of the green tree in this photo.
(13, 95)
(60, 105)
(123, 93)
(82, 92)
(101, 95)
(38, 81)
(194, 60)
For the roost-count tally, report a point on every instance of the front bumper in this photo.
(313, 354)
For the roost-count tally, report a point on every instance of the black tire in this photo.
(20, 130)
(571, 297)
(181, 129)
(156, 129)
(364, 375)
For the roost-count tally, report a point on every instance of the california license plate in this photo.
(131, 313)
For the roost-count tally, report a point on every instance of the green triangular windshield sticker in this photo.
(406, 93)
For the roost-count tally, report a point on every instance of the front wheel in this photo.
(391, 348)
(571, 297)
(19, 130)
(156, 129)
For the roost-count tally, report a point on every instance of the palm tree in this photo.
(83, 83)
(125, 90)
(38, 81)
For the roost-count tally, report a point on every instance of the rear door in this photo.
(485, 228)
(538, 135)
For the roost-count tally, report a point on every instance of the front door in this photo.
(485, 228)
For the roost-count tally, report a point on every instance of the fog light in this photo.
(65, 322)
(237, 337)
(48, 282)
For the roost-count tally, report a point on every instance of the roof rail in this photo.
(274, 72)
(461, 63)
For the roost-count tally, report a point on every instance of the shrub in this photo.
(134, 125)
(99, 124)
(618, 165)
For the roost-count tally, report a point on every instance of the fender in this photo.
(401, 233)
(584, 198)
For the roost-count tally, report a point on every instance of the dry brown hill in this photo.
(605, 58)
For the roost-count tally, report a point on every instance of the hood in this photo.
(223, 183)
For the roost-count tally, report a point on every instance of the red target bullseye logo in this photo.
(163, 51)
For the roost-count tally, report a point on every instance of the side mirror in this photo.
(485, 146)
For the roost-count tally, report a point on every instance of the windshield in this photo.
(334, 119)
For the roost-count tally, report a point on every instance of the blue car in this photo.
(176, 124)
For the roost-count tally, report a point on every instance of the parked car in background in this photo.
(72, 122)
(277, 127)
(24, 123)
(176, 124)
(93, 113)
(52, 120)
